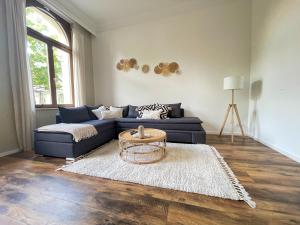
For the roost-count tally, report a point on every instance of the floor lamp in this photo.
(233, 83)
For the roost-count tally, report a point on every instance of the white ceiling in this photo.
(108, 14)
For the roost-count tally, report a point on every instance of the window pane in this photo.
(38, 59)
(62, 76)
(43, 23)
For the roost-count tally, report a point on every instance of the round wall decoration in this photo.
(173, 67)
(127, 64)
(157, 70)
(161, 65)
(132, 62)
(119, 66)
(145, 68)
(167, 68)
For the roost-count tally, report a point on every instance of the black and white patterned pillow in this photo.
(105, 107)
(141, 109)
(164, 108)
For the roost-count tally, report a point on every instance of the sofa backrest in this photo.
(182, 112)
(59, 119)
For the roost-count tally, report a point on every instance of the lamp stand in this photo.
(234, 110)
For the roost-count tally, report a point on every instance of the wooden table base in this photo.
(139, 154)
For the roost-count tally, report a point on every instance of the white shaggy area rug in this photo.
(192, 168)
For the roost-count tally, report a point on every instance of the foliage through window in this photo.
(50, 56)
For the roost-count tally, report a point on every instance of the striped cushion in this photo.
(164, 110)
(140, 109)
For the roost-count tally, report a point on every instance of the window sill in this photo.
(45, 109)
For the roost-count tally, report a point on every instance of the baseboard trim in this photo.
(274, 147)
(277, 149)
(225, 133)
(9, 152)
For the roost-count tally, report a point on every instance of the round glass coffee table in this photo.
(142, 151)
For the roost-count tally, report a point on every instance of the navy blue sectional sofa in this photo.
(181, 129)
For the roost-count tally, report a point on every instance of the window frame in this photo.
(50, 44)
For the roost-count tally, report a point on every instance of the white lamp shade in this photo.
(233, 83)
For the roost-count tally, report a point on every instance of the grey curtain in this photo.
(20, 78)
(82, 65)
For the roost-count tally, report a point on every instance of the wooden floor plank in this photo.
(33, 192)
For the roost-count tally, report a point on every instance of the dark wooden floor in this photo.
(32, 192)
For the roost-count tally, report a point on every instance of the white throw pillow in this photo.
(98, 111)
(116, 109)
(110, 114)
(151, 114)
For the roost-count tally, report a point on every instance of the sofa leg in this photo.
(70, 159)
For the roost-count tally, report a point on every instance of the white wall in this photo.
(208, 44)
(8, 139)
(275, 75)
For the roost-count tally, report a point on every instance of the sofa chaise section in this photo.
(60, 144)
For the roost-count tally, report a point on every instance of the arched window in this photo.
(50, 56)
(43, 23)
